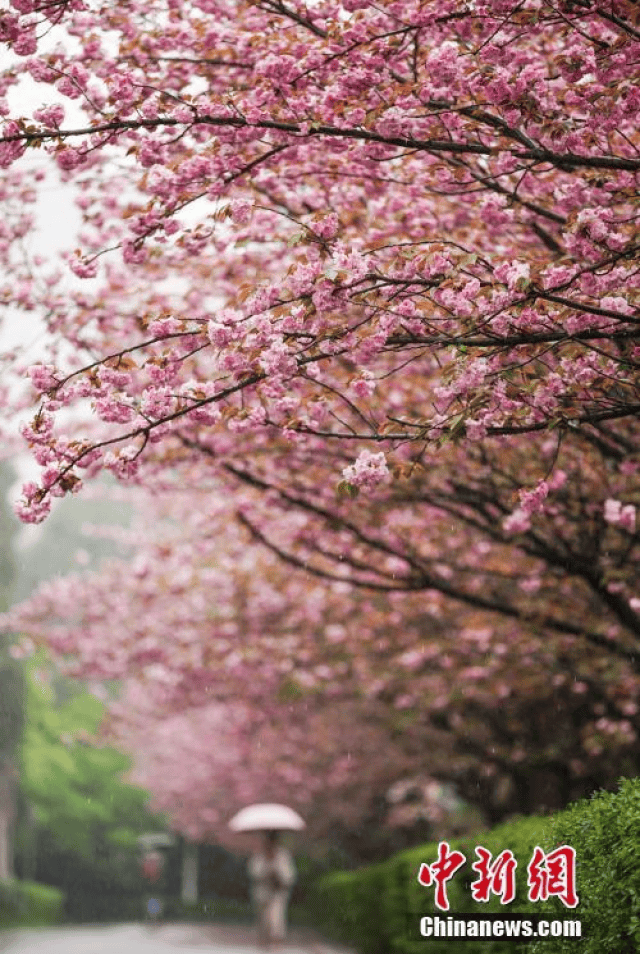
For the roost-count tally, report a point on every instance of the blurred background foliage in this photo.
(75, 788)
(78, 819)
(70, 819)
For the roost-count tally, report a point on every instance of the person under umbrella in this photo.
(272, 874)
(271, 869)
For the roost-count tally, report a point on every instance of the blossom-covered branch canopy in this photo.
(363, 226)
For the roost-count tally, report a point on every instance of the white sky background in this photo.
(58, 219)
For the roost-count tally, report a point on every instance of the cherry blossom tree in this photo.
(365, 277)
(365, 208)
(244, 680)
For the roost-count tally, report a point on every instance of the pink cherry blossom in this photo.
(369, 470)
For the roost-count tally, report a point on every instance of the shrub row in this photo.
(27, 904)
(377, 909)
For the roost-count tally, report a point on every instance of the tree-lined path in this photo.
(353, 307)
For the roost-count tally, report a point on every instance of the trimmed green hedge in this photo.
(605, 830)
(27, 904)
(377, 909)
(354, 907)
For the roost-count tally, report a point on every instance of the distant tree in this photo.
(74, 784)
(81, 819)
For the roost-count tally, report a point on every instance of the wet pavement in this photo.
(155, 939)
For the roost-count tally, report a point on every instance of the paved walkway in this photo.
(172, 938)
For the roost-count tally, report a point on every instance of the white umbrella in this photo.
(266, 816)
